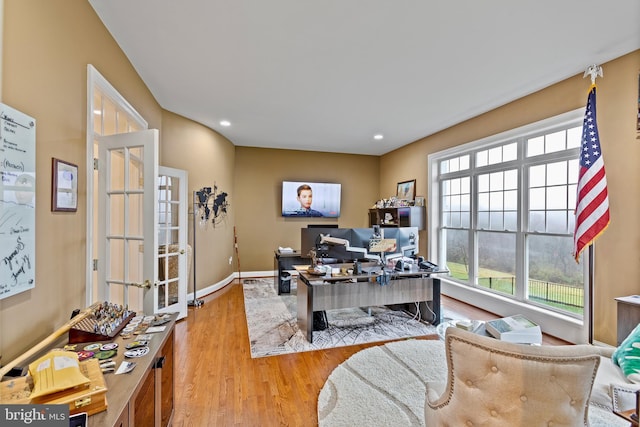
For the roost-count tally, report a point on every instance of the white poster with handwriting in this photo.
(17, 202)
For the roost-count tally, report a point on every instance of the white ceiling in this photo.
(328, 75)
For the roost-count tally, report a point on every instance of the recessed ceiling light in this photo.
(225, 123)
(378, 136)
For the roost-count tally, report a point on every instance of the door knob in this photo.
(145, 285)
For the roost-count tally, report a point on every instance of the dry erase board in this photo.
(17, 202)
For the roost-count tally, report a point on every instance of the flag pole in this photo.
(592, 249)
(594, 71)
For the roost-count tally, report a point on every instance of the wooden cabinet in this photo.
(628, 315)
(140, 398)
(144, 397)
(166, 373)
(152, 404)
(407, 216)
(122, 421)
(142, 407)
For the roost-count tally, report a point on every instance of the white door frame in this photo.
(96, 82)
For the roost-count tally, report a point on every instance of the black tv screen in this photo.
(310, 199)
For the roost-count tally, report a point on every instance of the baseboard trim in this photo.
(200, 293)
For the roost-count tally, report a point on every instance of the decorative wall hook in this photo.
(594, 71)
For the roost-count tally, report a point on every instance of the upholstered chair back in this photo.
(495, 383)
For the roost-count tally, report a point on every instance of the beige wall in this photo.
(208, 158)
(618, 249)
(257, 200)
(46, 48)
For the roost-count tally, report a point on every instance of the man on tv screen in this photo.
(305, 197)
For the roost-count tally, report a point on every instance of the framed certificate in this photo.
(64, 186)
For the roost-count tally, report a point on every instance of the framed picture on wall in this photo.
(64, 186)
(406, 190)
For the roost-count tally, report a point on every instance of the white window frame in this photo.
(557, 324)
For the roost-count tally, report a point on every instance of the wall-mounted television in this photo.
(310, 199)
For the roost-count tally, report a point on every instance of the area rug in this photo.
(273, 328)
(385, 386)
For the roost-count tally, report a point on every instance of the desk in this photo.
(285, 261)
(317, 293)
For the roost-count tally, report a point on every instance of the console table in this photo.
(142, 397)
(317, 293)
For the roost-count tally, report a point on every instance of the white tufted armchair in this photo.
(495, 383)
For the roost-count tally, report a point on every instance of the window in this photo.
(503, 214)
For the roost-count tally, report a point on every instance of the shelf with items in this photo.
(404, 216)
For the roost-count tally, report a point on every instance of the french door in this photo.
(173, 252)
(136, 232)
(127, 216)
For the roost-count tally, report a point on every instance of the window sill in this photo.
(552, 323)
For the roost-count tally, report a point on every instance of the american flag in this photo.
(592, 203)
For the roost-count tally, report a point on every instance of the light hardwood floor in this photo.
(217, 383)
